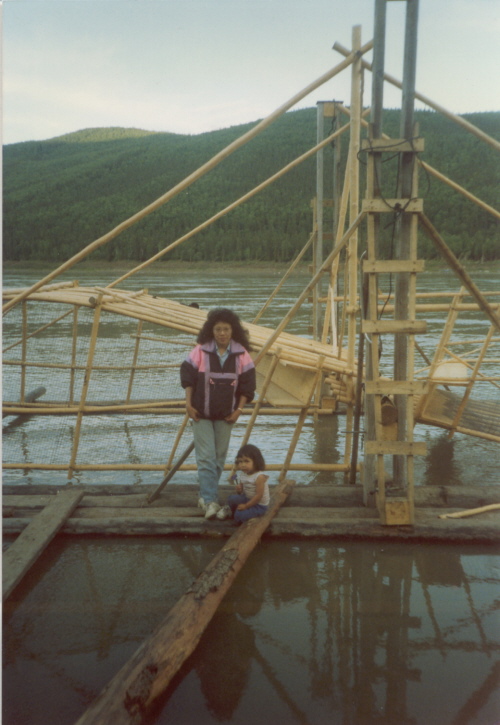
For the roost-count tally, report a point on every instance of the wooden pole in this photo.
(284, 278)
(352, 248)
(374, 181)
(428, 102)
(328, 261)
(491, 210)
(318, 245)
(459, 270)
(134, 360)
(85, 387)
(24, 350)
(74, 350)
(230, 207)
(404, 227)
(208, 166)
(131, 693)
(298, 427)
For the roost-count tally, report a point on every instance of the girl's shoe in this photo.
(224, 513)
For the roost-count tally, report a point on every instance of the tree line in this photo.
(61, 194)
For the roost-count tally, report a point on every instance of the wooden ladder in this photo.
(389, 403)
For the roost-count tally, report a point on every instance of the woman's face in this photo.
(222, 333)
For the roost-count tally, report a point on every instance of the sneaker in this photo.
(224, 513)
(211, 510)
(202, 505)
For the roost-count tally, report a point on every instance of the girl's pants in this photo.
(242, 516)
(211, 441)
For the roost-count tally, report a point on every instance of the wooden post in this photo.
(318, 246)
(374, 180)
(352, 249)
(24, 350)
(129, 696)
(74, 348)
(134, 360)
(403, 235)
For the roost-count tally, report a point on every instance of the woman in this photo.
(218, 376)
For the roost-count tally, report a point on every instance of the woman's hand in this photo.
(233, 417)
(192, 412)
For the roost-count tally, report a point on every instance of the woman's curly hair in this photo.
(222, 314)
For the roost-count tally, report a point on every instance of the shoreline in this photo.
(209, 267)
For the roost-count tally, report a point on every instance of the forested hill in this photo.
(61, 194)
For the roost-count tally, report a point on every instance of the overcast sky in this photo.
(189, 66)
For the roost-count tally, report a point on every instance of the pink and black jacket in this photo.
(216, 389)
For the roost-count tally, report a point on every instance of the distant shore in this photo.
(235, 268)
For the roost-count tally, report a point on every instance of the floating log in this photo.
(26, 549)
(30, 398)
(148, 673)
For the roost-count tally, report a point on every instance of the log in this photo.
(471, 512)
(26, 549)
(148, 673)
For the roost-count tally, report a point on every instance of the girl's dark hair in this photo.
(222, 314)
(252, 452)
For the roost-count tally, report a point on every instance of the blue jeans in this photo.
(211, 441)
(241, 516)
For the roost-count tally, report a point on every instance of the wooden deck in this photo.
(335, 512)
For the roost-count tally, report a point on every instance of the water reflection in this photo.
(311, 632)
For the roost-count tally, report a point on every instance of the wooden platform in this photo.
(335, 512)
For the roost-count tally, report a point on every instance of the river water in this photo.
(313, 632)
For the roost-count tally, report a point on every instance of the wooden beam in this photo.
(394, 327)
(147, 674)
(396, 448)
(26, 549)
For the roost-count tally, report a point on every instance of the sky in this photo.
(191, 66)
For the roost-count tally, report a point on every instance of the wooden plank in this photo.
(383, 327)
(386, 266)
(148, 673)
(380, 206)
(396, 387)
(26, 549)
(396, 448)
(400, 145)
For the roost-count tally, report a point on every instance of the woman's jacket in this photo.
(217, 389)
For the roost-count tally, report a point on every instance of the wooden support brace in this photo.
(28, 546)
(396, 387)
(393, 266)
(380, 206)
(395, 448)
(401, 145)
(395, 327)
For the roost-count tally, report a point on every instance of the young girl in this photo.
(252, 497)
